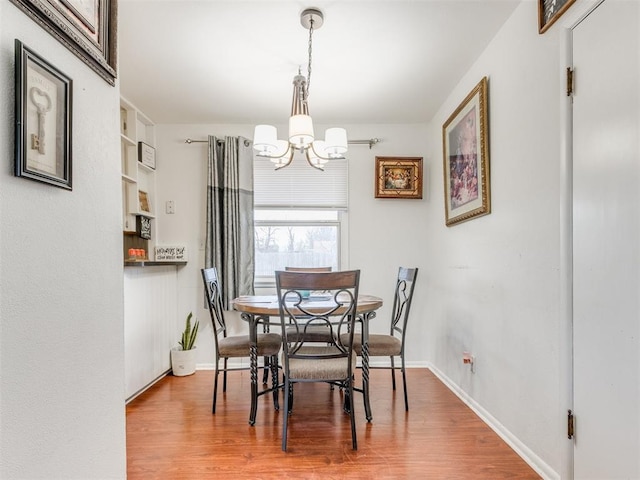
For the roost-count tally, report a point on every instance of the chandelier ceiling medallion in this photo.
(301, 135)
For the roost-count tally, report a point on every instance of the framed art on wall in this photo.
(398, 177)
(145, 205)
(549, 11)
(86, 27)
(465, 139)
(43, 120)
(143, 227)
(147, 155)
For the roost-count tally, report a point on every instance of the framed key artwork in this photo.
(43, 120)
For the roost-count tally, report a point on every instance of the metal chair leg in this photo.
(274, 381)
(352, 416)
(393, 374)
(215, 389)
(287, 408)
(290, 396)
(404, 383)
(267, 367)
(224, 379)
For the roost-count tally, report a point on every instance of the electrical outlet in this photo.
(470, 360)
(170, 207)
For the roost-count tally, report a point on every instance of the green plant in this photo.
(189, 335)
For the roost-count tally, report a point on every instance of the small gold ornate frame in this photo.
(398, 177)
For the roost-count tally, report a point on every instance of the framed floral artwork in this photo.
(465, 139)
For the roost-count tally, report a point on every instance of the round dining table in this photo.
(259, 310)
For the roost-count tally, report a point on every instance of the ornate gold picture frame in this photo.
(465, 139)
(398, 177)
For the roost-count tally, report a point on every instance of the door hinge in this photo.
(570, 424)
(569, 82)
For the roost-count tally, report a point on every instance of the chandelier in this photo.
(301, 135)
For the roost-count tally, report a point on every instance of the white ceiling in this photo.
(233, 61)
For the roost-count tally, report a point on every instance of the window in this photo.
(300, 216)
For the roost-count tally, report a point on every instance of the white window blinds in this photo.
(300, 185)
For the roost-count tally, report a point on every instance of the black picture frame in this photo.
(42, 140)
(88, 29)
(143, 227)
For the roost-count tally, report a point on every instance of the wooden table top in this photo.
(268, 304)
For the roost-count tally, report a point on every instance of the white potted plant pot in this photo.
(183, 358)
(183, 362)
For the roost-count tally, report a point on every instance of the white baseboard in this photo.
(535, 462)
(146, 387)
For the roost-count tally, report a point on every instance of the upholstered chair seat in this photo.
(319, 369)
(238, 346)
(379, 345)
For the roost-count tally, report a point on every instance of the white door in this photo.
(606, 242)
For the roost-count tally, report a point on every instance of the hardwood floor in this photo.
(171, 434)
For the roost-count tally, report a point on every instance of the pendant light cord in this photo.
(306, 93)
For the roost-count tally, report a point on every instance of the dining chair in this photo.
(392, 345)
(237, 346)
(303, 359)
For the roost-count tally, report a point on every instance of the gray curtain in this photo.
(229, 238)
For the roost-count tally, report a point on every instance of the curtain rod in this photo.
(371, 142)
(188, 140)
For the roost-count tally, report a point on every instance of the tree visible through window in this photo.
(302, 238)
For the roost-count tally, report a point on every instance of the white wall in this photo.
(495, 281)
(61, 319)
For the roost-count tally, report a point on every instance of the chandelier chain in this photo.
(306, 93)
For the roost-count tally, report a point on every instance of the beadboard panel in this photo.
(150, 324)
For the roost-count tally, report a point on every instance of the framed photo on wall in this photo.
(465, 139)
(86, 27)
(144, 203)
(398, 177)
(549, 11)
(43, 120)
(147, 155)
(143, 227)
